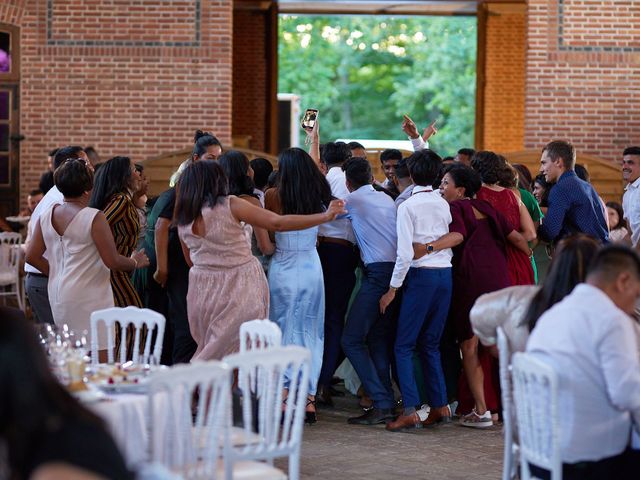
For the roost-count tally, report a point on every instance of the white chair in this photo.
(259, 335)
(510, 465)
(536, 400)
(279, 425)
(10, 255)
(138, 317)
(188, 407)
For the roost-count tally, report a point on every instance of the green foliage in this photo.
(364, 72)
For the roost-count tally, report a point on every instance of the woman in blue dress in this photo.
(295, 275)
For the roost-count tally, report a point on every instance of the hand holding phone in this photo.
(309, 119)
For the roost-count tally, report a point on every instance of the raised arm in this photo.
(35, 250)
(262, 236)
(103, 238)
(314, 147)
(260, 217)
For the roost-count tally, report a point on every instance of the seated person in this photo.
(589, 339)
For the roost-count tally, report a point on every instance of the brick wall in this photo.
(583, 66)
(250, 76)
(130, 78)
(502, 118)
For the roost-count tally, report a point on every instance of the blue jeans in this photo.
(367, 334)
(423, 315)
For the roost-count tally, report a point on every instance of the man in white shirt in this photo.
(336, 248)
(631, 199)
(590, 341)
(36, 282)
(422, 218)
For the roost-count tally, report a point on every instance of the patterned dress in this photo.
(122, 217)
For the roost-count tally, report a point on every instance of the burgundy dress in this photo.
(506, 202)
(479, 266)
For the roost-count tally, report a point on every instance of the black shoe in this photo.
(375, 416)
(310, 417)
(323, 397)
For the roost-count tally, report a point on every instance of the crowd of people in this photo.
(408, 278)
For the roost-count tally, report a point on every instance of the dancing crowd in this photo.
(408, 279)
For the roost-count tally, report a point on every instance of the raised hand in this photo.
(409, 127)
(430, 131)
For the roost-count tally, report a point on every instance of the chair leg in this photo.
(294, 466)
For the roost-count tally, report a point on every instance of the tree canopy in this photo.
(364, 72)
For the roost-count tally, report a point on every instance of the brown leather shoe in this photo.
(438, 416)
(404, 421)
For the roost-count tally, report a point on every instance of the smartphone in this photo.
(309, 119)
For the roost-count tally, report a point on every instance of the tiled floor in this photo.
(332, 449)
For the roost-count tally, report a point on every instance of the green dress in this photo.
(534, 210)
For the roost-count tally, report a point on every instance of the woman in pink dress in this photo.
(489, 166)
(227, 285)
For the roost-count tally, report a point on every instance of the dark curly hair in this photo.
(489, 165)
(466, 177)
(508, 176)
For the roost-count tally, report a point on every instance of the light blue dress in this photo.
(296, 291)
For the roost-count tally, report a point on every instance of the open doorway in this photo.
(363, 72)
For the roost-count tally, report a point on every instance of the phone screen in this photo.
(309, 119)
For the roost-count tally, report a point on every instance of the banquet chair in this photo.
(259, 335)
(138, 317)
(187, 412)
(510, 464)
(536, 401)
(10, 254)
(279, 423)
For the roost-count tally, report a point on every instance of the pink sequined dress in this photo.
(227, 285)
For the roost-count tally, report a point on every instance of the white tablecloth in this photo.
(127, 418)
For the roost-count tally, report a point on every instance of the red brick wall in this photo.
(250, 76)
(502, 120)
(130, 78)
(583, 66)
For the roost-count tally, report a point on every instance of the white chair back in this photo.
(188, 407)
(138, 317)
(259, 335)
(536, 400)
(261, 376)
(510, 464)
(10, 255)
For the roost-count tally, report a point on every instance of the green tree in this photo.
(364, 72)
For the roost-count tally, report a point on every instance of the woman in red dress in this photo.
(489, 166)
(479, 236)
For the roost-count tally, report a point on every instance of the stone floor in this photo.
(331, 449)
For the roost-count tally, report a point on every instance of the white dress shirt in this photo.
(631, 207)
(340, 228)
(418, 143)
(53, 196)
(592, 346)
(423, 218)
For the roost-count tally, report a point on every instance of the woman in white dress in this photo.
(80, 250)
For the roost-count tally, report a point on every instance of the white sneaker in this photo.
(477, 421)
(423, 413)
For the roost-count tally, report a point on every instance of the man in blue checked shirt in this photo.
(574, 206)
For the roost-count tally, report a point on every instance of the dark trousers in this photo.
(184, 346)
(423, 314)
(367, 333)
(38, 294)
(618, 468)
(338, 268)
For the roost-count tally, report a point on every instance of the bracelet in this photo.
(135, 263)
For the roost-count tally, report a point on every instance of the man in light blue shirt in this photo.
(367, 333)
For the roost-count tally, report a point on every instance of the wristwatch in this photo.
(429, 248)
